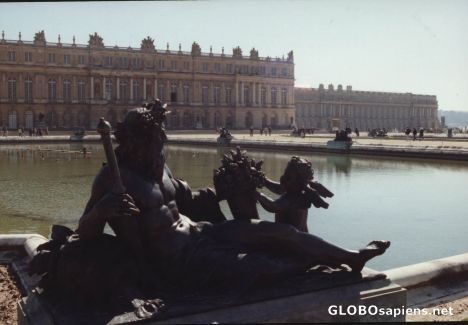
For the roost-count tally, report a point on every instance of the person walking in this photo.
(356, 130)
(415, 132)
(251, 131)
(269, 130)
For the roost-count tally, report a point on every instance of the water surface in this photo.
(420, 206)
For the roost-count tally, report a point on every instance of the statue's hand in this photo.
(116, 206)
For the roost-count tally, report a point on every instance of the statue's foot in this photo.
(150, 308)
(373, 249)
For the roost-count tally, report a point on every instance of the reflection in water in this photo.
(418, 205)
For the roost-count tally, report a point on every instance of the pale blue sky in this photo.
(401, 46)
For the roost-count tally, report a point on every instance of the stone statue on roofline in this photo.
(95, 40)
(196, 49)
(147, 44)
(237, 52)
(39, 38)
(254, 54)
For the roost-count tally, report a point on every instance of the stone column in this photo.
(242, 99)
(103, 88)
(118, 88)
(155, 88)
(268, 97)
(236, 94)
(254, 94)
(131, 89)
(144, 89)
(168, 91)
(92, 87)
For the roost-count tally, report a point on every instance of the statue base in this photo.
(316, 297)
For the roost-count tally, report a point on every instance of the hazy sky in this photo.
(399, 46)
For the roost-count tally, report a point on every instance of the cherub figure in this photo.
(298, 191)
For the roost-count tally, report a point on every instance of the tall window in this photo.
(186, 94)
(229, 68)
(284, 96)
(173, 65)
(284, 71)
(123, 89)
(11, 56)
(136, 90)
(123, 62)
(205, 67)
(217, 67)
(51, 57)
(273, 96)
(186, 65)
(247, 95)
(205, 95)
(228, 95)
(273, 71)
(81, 59)
(262, 70)
(173, 93)
(216, 95)
(108, 91)
(161, 64)
(28, 89)
(66, 59)
(27, 56)
(136, 63)
(52, 90)
(81, 90)
(12, 89)
(66, 90)
(108, 61)
(161, 92)
(263, 96)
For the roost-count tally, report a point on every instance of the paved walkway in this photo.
(435, 142)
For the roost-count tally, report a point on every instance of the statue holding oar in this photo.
(153, 217)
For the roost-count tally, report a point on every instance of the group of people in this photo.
(39, 132)
(415, 133)
(264, 130)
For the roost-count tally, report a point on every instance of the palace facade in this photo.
(323, 108)
(65, 86)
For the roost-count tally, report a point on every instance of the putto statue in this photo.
(170, 239)
(147, 43)
(196, 49)
(95, 40)
(291, 56)
(237, 52)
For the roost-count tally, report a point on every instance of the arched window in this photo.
(12, 89)
(284, 96)
(136, 90)
(12, 120)
(66, 90)
(29, 119)
(273, 96)
(52, 89)
(123, 89)
(174, 93)
(28, 89)
(81, 90)
(108, 92)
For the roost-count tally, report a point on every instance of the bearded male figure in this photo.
(154, 223)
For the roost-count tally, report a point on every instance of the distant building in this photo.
(72, 85)
(322, 108)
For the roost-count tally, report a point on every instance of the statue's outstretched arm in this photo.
(273, 186)
(268, 204)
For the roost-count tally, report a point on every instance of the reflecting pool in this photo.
(420, 206)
